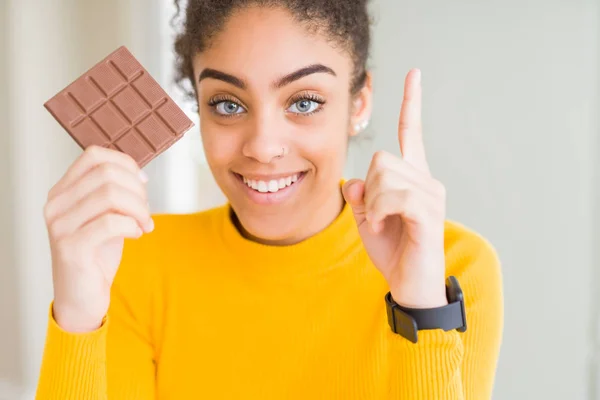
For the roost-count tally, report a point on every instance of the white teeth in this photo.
(272, 186)
(262, 186)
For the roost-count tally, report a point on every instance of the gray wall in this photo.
(510, 97)
(45, 45)
(10, 345)
(594, 373)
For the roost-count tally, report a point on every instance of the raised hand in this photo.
(100, 201)
(400, 212)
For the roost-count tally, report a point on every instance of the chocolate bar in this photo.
(118, 105)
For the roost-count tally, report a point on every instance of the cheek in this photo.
(220, 147)
(326, 140)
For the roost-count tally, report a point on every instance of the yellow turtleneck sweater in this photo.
(199, 312)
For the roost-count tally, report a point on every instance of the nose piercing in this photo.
(282, 152)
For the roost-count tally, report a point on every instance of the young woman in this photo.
(303, 286)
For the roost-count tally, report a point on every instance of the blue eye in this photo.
(228, 108)
(304, 106)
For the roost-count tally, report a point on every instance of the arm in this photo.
(114, 361)
(98, 341)
(452, 365)
(400, 212)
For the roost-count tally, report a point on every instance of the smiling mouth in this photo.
(272, 185)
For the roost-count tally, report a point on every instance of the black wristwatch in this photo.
(408, 321)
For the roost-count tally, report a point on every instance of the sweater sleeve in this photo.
(117, 360)
(452, 365)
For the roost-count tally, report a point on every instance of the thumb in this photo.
(354, 192)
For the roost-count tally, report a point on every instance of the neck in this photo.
(320, 251)
(323, 216)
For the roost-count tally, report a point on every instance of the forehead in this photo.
(262, 44)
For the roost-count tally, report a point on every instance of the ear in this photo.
(362, 105)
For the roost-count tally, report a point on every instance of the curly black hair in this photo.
(345, 22)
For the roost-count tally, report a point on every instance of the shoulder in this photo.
(172, 227)
(466, 249)
(174, 237)
(173, 230)
(473, 260)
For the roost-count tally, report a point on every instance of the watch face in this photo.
(453, 290)
(455, 294)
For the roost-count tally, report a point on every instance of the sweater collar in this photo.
(325, 250)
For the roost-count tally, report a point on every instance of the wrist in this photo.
(73, 321)
(420, 298)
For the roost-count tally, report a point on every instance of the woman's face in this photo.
(276, 113)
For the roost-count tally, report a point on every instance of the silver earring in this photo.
(361, 126)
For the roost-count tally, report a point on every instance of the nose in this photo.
(265, 140)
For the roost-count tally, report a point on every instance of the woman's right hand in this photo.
(100, 201)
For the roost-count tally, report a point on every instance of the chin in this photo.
(271, 216)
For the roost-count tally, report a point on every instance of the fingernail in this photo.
(376, 227)
(143, 176)
(372, 229)
(149, 225)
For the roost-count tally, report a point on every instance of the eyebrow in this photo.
(221, 76)
(286, 80)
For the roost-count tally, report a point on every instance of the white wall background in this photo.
(511, 93)
(10, 360)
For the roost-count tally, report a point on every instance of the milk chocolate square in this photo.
(118, 105)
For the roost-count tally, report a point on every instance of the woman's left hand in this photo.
(400, 212)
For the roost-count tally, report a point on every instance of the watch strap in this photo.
(408, 321)
(448, 317)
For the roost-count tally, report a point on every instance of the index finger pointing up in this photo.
(410, 132)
